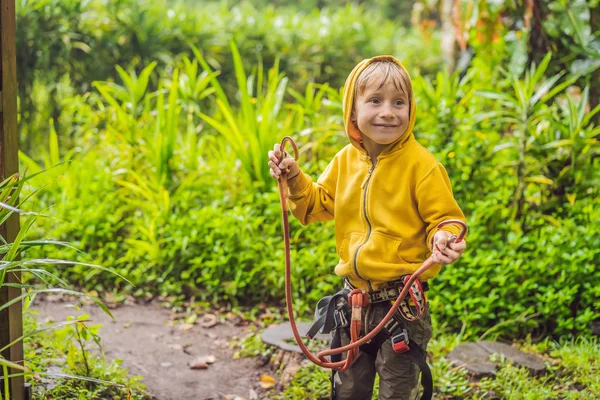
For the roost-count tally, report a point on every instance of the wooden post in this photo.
(11, 319)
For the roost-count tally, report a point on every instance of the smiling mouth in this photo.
(386, 126)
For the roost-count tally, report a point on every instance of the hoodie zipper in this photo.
(368, 224)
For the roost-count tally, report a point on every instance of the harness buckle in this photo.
(339, 319)
(400, 342)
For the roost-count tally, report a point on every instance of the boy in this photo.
(387, 194)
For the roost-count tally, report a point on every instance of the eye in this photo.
(374, 100)
(399, 102)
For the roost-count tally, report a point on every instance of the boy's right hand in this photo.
(281, 166)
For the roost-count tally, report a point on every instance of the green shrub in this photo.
(177, 217)
(59, 43)
(67, 349)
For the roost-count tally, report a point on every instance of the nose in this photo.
(386, 112)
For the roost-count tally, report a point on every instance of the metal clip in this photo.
(339, 319)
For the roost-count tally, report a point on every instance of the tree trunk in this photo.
(595, 78)
(539, 44)
(448, 40)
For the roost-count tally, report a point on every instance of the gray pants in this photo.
(398, 375)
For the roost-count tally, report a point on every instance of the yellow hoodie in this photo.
(385, 216)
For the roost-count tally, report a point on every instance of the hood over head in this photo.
(348, 105)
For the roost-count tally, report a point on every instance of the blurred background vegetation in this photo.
(153, 119)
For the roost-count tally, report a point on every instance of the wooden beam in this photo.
(11, 319)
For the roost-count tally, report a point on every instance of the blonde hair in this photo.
(384, 70)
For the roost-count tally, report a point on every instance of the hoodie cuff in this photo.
(299, 184)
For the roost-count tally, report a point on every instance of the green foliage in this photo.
(83, 374)
(251, 132)
(59, 43)
(252, 345)
(170, 227)
(42, 276)
(311, 382)
(212, 233)
(570, 24)
(572, 374)
(519, 282)
(174, 147)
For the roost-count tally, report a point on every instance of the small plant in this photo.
(13, 261)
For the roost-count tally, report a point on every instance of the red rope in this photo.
(357, 297)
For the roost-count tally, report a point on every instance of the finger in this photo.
(272, 156)
(451, 254)
(276, 170)
(273, 174)
(286, 163)
(284, 167)
(273, 164)
(441, 241)
(460, 246)
(276, 151)
(439, 258)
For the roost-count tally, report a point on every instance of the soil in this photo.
(153, 345)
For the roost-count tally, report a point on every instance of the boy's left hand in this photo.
(449, 251)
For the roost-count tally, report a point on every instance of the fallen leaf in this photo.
(266, 381)
(202, 362)
(230, 316)
(185, 327)
(191, 319)
(253, 395)
(209, 320)
(194, 365)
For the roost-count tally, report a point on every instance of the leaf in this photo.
(266, 381)
(539, 179)
(209, 320)
(202, 362)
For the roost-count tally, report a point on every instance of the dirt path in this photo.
(145, 338)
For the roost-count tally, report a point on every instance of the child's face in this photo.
(382, 113)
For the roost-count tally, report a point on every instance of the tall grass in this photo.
(39, 275)
(258, 122)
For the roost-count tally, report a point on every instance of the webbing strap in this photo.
(326, 313)
(415, 353)
(418, 356)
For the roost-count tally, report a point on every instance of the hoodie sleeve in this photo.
(436, 202)
(310, 201)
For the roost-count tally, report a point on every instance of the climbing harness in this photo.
(332, 311)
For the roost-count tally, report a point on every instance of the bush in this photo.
(178, 217)
(66, 38)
